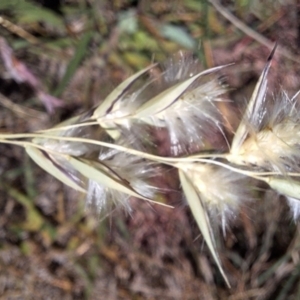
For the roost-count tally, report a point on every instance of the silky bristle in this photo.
(136, 172)
(274, 139)
(221, 191)
(294, 205)
(190, 116)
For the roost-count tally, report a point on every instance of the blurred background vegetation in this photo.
(78, 50)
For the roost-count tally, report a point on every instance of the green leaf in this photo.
(34, 220)
(195, 5)
(136, 59)
(201, 217)
(127, 21)
(49, 166)
(35, 13)
(27, 12)
(178, 35)
(143, 41)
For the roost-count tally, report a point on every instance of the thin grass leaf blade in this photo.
(107, 105)
(74, 63)
(163, 100)
(201, 218)
(31, 13)
(253, 107)
(34, 220)
(40, 159)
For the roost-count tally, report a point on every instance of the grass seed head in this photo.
(194, 118)
(133, 171)
(111, 176)
(176, 95)
(192, 115)
(221, 191)
(274, 136)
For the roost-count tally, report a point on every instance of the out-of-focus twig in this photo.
(21, 74)
(20, 110)
(18, 31)
(250, 32)
(16, 69)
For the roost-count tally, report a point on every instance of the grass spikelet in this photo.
(221, 191)
(268, 137)
(187, 107)
(181, 98)
(254, 111)
(111, 176)
(183, 118)
(57, 166)
(136, 173)
(121, 103)
(112, 104)
(213, 193)
(200, 214)
(274, 142)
